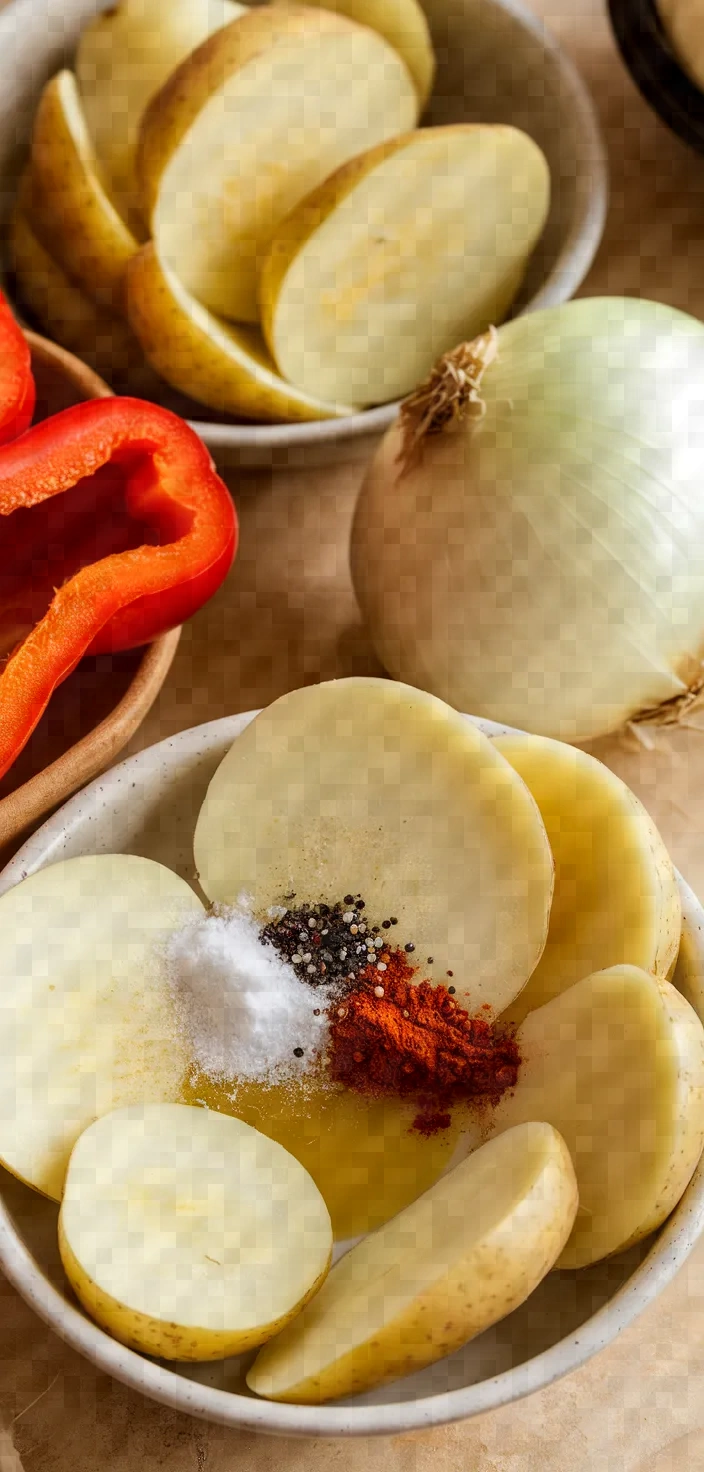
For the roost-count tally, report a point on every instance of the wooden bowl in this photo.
(94, 713)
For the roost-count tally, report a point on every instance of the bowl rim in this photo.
(654, 65)
(568, 271)
(670, 1248)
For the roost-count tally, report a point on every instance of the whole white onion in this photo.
(543, 565)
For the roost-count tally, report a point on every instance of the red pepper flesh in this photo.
(115, 506)
(17, 392)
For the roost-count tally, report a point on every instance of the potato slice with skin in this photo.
(72, 213)
(225, 366)
(449, 1266)
(88, 1020)
(404, 26)
(258, 116)
(70, 317)
(415, 246)
(370, 787)
(124, 56)
(616, 897)
(187, 1234)
(617, 1065)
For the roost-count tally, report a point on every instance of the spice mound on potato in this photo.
(368, 786)
(386, 1006)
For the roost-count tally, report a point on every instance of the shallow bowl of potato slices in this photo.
(613, 1066)
(275, 218)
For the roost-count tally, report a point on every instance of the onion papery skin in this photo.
(544, 567)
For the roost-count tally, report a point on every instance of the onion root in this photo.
(673, 712)
(450, 395)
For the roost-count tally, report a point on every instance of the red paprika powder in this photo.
(391, 1037)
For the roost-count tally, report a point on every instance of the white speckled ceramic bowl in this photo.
(148, 805)
(496, 63)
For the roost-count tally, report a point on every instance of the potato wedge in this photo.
(464, 1255)
(407, 250)
(616, 897)
(258, 116)
(369, 787)
(222, 365)
(187, 1234)
(72, 213)
(88, 1020)
(124, 56)
(616, 1064)
(403, 25)
(63, 311)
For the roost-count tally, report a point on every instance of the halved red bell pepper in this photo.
(17, 394)
(114, 528)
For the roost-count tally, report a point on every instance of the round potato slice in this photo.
(369, 787)
(460, 1258)
(88, 1020)
(258, 116)
(404, 26)
(616, 897)
(124, 56)
(409, 249)
(72, 212)
(617, 1065)
(187, 1234)
(224, 366)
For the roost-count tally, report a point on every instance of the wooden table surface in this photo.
(287, 616)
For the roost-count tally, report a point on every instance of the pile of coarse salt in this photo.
(246, 1013)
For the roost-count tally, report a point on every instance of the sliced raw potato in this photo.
(247, 126)
(187, 1234)
(124, 56)
(72, 319)
(415, 246)
(460, 1258)
(370, 787)
(617, 1065)
(225, 366)
(403, 24)
(88, 1020)
(616, 896)
(72, 212)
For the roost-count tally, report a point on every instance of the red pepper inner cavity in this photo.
(42, 546)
